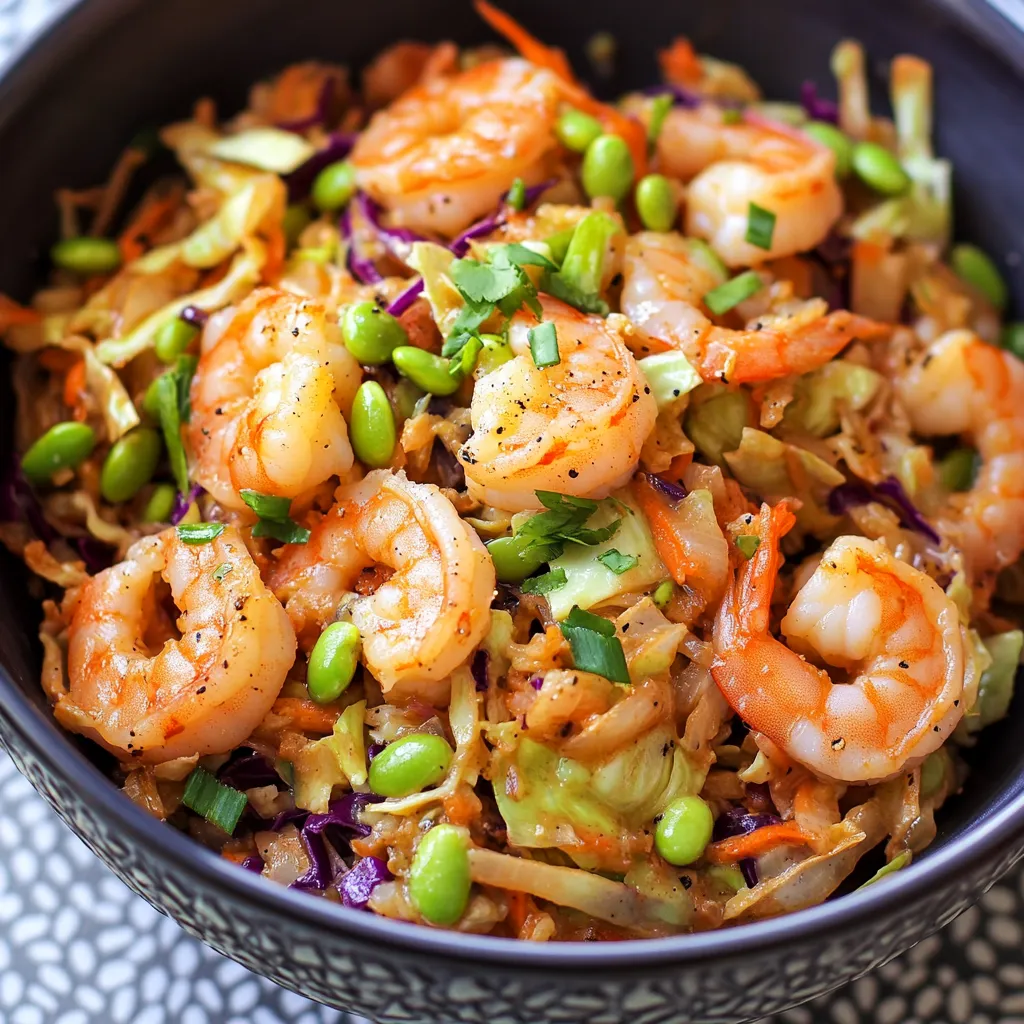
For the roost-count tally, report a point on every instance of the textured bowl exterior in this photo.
(387, 970)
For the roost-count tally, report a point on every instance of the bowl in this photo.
(113, 67)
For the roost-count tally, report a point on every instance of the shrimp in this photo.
(442, 154)
(149, 697)
(267, 399)
(961, 385)
(734, 165)
(576, 427)
(889, 626)
(428, 616)
(665, 279)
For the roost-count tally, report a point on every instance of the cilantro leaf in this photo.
(617, 561)
(544, 583)
(484, 282)
(564, 522)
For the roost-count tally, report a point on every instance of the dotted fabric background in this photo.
(77, 947)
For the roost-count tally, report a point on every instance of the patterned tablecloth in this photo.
(77, 947)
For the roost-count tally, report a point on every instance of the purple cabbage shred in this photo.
(674, 492)
(356, 885)
(300, 181)
(183, 502)
(336, 827)
(740, 822)
(479, 670)
(362, 267)
(537, 682)
(20, 504)
(681, 97)
(817, 108)
(401, 302)
(194, 315)
(95, 554)
(253, 863)
(395, 240)
(320, 114)
(249, 771)
(749, 868)
(890, 493)
(373, 750)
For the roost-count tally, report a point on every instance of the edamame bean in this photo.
(151, 400)
(839, 142)
(512, 562)
(160, 505)
(879, 169)
(1012, 339)
(405, 396)
(371, 427)
(607, 168)
(173, 338)
(334, 186)
(371, 334)
(296, 220)
(63, 446)
(333, 662)
(87, 255)
(130, 464)
(439, 878)
(576, 130)
(684, 830)
(663, 593)
(957, 469)
(425, 370)
(410, 764)
(656, 202)
(974, 266)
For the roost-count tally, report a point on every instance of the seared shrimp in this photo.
(889, 626)
(267, 399)
(428, 616)
(961, 385)
(576, 427)
(734, 165)
(664, 284)
(442, 154)
(148, 697)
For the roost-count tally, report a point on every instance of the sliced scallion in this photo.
(220, 805)
(199, 533)
(594, 645)
(544, 345)
(726, 296)
(760, 226)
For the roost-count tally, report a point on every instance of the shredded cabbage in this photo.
(995, 691)
(268, 149)
(820, 396)
(335, 760)
(670, 376)
(237, 219)
(716, 419)
(433, 261)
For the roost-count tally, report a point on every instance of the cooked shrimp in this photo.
(961, 385)
(442, 154)
(149, 697)
(889, 626)
(734, 165)
(428, 616)
(400, 67)
(576, 427)
(665, 280)
(267, 399)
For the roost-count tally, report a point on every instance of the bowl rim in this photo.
(23, 74)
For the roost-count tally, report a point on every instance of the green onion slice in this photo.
(199, 533)
(266, 506)
(544, 345)
(595, 647)
(760, 226)
(723, 298)
(220, 805)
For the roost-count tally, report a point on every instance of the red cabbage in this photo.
(395, 240)
(356, 885)
(681, 97)
(373, 750)
(253, 863)
(889, 493)
(362, 267)
(818, 109)
(537, 682)
(672, 491)
(20, 504)
(401, 302)
(195, 316)
(248, 771)
(740, 822)
(300, 181)
(479, 670)
(96, 555)
(460, 244)
(321, 112)
(183, 502)
(341, 818)
(749, 868)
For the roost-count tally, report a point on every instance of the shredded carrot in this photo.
(275, 253)
(12, 313)
(235, 856)
(153, 214)
(518, 910)
(529, 46)
(613, 121)
(680, 63)
(57, 360)
(305, 715)
(756, 843)
(868, 253)
(678, 467)
(669, 544)
(215, 274)
(74, 385)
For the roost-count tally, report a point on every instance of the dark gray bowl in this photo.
(112, 67)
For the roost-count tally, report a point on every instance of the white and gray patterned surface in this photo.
(77, 947)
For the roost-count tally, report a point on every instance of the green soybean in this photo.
(957, 469)
(173, 338)
(656, 202)
(439, 878)
(410, 764)
(333, 662)
(151, 400)
(334, 186)
(879, 169)
(425, 370)
(974, 266)
(838, 141)
(63, 446)
(684, 830)
(130, 464)
(371, 334)
(607, 168)
(405, 396)
(1012, 339)
(371, 427)
(576, 130)
(296, 220)
(160, 504)
(512, 561)
(87, 255)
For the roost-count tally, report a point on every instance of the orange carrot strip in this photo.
(57, 360)
(12, 313)
(306, 715)
(868, 253)
(529, 46)
(669, 544)
(154, 213)
(678, 467)
(680, 63)
(756, 843)
(517, 910)
(74, 384)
